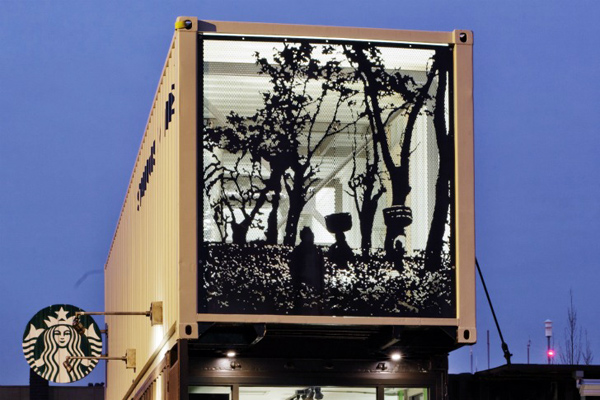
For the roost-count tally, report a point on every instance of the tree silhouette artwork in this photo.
(445, 143)
(284, 134)
(379, 84)
(240, 187)
(344, 141)
(292, 112)
(365, 186)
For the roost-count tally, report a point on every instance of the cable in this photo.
(507, 354)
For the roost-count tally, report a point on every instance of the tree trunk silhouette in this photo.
(297, 200)
(445, 139)
(377, 83)
(239, 231)
(399, 174)
(366, 219)
(366, 197)
(272, 227)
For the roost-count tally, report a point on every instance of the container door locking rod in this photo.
(507, 354)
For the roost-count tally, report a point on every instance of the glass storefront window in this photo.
(210, 393)
(406, 394)
(307, 393)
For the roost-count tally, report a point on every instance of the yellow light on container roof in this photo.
(187, 24)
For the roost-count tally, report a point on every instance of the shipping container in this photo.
(298, 187)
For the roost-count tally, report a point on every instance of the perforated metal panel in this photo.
(328, 170)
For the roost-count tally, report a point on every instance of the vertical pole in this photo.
(528, 347)
(548, 351)
(471, 355)
(488, 348)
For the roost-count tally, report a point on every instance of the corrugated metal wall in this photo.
(144, 261)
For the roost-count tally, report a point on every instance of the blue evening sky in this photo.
(77, 79)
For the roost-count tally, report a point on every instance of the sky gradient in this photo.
(77, 79)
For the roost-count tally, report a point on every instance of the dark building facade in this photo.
(528, 382)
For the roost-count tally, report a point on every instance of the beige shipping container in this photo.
(167, 234)
(153, 254)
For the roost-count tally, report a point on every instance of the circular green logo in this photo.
(56, 342)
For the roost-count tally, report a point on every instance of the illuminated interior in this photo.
(348, 145)
(305, 393)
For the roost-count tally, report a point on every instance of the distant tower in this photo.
(549, 351)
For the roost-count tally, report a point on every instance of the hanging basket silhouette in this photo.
(397, 216)
(339, 222)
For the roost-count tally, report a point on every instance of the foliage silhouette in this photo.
(254, 278)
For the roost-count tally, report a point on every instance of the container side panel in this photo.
(142, 266)
(463, 61)
(265, 29)
(188, 205)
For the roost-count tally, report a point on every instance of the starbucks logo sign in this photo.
(50, 338)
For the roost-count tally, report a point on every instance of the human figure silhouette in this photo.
(340, 252)
(307, 270)
(399, 251)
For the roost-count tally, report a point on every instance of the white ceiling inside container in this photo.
(243, 51)
(232, 82)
